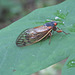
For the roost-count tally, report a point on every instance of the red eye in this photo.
(55, 24)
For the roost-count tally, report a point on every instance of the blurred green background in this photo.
(12, 10)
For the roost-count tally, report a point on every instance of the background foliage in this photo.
(12, 10)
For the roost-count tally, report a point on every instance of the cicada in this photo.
(36, 34)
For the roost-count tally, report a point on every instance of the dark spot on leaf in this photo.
(14, 70)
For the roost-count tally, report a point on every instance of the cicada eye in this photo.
(55, 24)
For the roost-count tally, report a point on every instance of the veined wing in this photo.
(32, 35)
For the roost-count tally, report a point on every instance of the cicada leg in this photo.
(47, 36)
(59, 31)
(50, 37)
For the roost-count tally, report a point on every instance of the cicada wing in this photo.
(30, 36)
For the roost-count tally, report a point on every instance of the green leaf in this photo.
(69, 67)
(27, 60)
